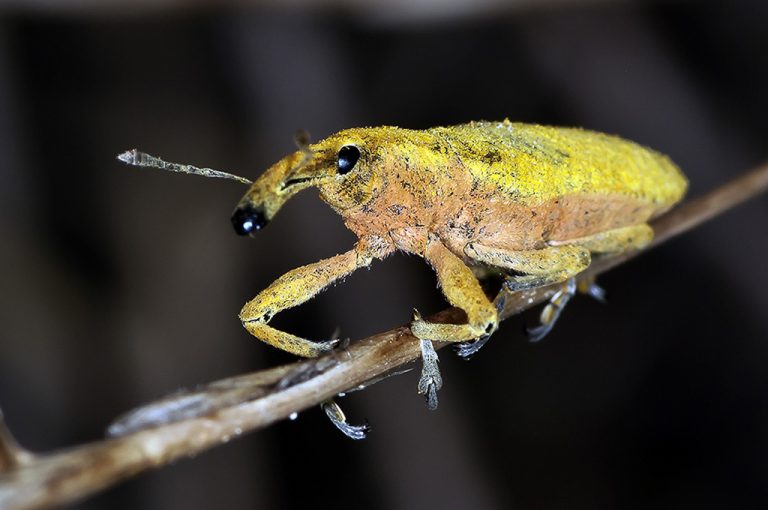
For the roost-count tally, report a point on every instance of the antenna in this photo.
(302, 139)
(137, 158)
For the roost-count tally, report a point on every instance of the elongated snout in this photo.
(248, 218)
(270, 191)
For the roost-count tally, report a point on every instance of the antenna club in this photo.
(129, 157)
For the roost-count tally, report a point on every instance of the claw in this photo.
(500, 301)
(468, 349)
(329, 345)
(592, 289)
(430, 380)
(552, 311)
(513, 286)
(339, 420)
(539, 332)
(431, 397)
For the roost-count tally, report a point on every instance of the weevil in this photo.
(534, 202)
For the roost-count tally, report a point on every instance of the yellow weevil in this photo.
(532, 201)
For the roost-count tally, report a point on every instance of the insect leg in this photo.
(339, 420)
(554, 307)
(552, 311)
(466, 350)
(539, 267)
(616, 240)
(633, 237)
(462, 290)
(292, 289)
(589, 287)
(430, 380)
(542, 267)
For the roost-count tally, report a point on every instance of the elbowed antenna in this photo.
(302, 139)
(137, 158)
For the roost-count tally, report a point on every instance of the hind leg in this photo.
(617, 240)
(635, 237)
(539, 268)
(559, 262)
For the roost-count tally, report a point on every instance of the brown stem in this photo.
(185, 424)
(11, 455)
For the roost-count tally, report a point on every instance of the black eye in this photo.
(348, 156)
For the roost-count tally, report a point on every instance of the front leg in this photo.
(292, 289)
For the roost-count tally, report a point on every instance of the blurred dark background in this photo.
(120, 285)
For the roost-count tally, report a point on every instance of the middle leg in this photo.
(462, 290)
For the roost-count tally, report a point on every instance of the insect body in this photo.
(533, 201)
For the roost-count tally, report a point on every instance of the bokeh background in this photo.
(120, 285)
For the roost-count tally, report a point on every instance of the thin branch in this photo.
(185, 424)
(11, 454)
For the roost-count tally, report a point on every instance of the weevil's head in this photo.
(345, 167)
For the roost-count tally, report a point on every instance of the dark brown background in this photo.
(120, 285)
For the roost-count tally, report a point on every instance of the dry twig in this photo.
(222, 410)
